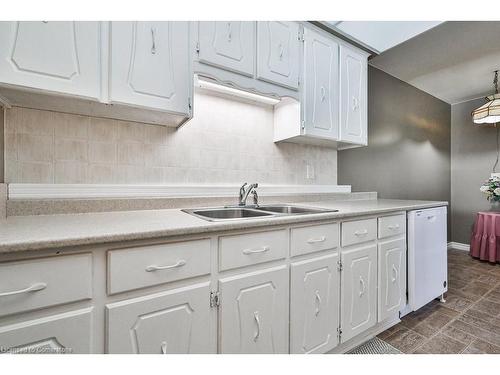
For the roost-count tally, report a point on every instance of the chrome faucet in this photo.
(244, 193)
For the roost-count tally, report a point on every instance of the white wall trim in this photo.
(458, 246)
(87, 191)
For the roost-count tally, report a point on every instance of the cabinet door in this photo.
(254, 312)
(359, 290)
(278, 48)
(177, 321)
(229, 45)
(150, 65)
(391, 277)
(314, 305)
(353, 93)
(62, 57)
(321, 85)
(69, 332)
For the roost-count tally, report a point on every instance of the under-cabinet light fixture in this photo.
(207, 84)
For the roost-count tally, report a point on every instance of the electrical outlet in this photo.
(310, 172)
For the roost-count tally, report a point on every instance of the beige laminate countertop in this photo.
(24, 233)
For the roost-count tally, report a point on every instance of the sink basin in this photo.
(234, 213)
(292, 210)
(224, 213)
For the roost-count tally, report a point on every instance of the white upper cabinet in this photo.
(359, 290)
(321, 85)
(60, 57)
(278, 52)
(353, 93)
(314, 305)
(254, 312)
(229, 45)
(150, 65)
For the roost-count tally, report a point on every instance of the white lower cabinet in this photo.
(359, 290)
(68, 332)
(392, 277)
(254, 312)
(177, 321)
(314, 305)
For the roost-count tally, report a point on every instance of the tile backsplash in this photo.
(227, 141)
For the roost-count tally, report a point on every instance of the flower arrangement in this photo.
(491, 188)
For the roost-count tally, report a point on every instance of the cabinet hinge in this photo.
(198, 47)
(301, 36)
(189, 104)
(339, 332)
(339, 265)
(214, 299)
(303, 124)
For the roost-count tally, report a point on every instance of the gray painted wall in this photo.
(473, 154)
(408, 153)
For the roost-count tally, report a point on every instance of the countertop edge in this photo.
(203, 228)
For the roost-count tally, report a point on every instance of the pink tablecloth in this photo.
(485, 239)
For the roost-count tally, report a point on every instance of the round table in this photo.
(485, 239)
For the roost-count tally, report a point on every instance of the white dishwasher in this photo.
(427, 256)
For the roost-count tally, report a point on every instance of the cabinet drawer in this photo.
(309, 239)
(143, 266)
(391, 225)
(253, 248)
(359, 231)
(36, 283)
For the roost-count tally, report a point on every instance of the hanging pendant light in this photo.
(489, 113)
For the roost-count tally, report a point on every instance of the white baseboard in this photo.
(458, 246)
(88, 191)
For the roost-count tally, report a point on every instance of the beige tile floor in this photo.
(469, 321)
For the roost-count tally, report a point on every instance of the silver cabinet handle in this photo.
(153, 46)
(393, 227)
(315, 240)
(262, 249)
(33, 288)
(361, 232)
(229, 32)
(257, 322)
(318, 303)
(179, 263)
(394, 273)
(163, 347)
(361, 286)
(322, 93)
(281, 51)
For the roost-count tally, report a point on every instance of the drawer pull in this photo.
(393, 227)
(179, 263)
(315, 240)
(257, 322)
(318, 303)
(361, 232)
(33, 288)
(262, 249)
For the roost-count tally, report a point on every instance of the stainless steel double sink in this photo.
(252, 212)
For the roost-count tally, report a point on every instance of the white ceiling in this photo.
(382, 35)
(453, 61)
